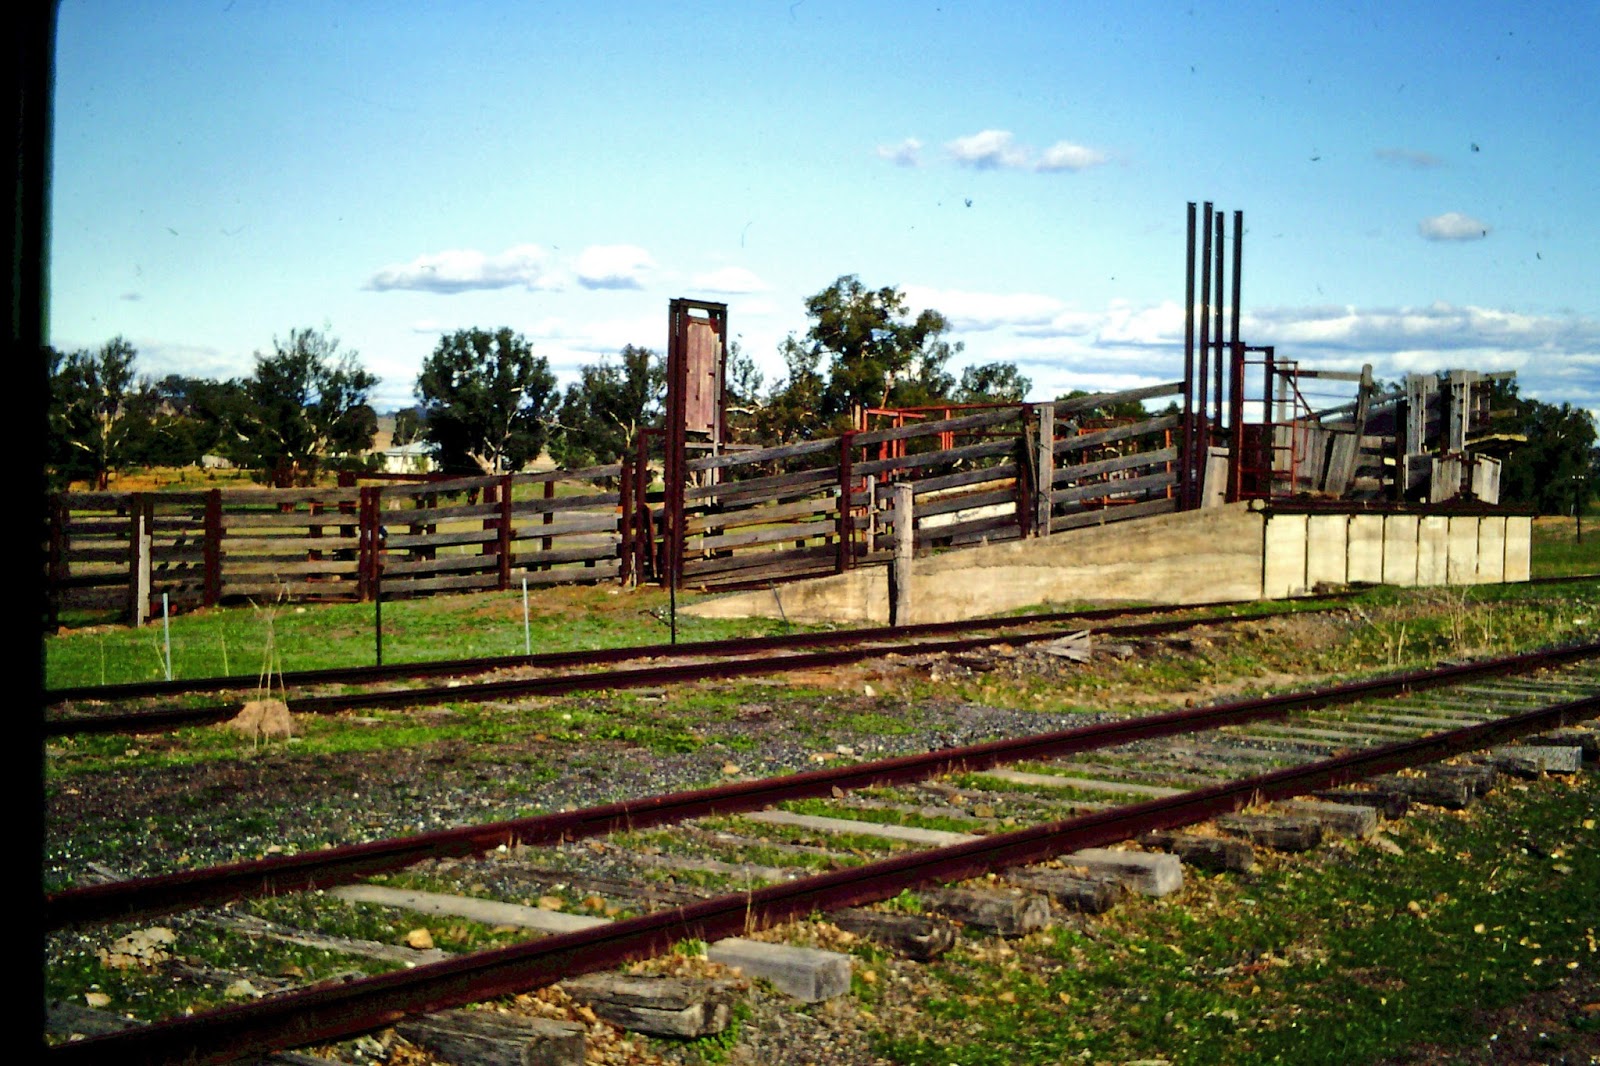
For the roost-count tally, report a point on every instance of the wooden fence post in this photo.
(845, 559)
(1044, 469)
(625, 554)
(503, 545)
(211, 591)
(904, 547)
(546, 543)
(56, 561)
(644, 542)
(140, 514)
(367, 512)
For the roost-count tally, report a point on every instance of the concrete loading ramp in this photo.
(1235, 552)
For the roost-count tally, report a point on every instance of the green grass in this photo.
(1337, 959)
(233, 640)
(153, 992)
(492, 735)
(1557, 551)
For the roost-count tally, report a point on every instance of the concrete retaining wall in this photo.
(1236, 552)
(1303, 551)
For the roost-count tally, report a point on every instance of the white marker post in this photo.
(527, 634)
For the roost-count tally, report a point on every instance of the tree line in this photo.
(488, 403)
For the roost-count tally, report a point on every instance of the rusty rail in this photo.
(870, 643)
(356, 675)
(330, 1013)
(143, 897)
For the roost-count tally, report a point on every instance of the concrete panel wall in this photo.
(1364, 549)
(1433, 550)
(1284, 568)
(1400, 549)
(1491, 550)
(1519, 548)
(1327, 546)
(1461, 553)
(1191, 557)
(1234, 552)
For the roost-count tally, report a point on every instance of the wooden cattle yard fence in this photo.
(741, 518)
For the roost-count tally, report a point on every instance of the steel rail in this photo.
(162, 893)
(601, 656)
(729, 647)
(563, 684)
(329, 1013)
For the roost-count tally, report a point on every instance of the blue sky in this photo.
(1419, 184)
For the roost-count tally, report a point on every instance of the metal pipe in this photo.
(1190, 437)
(1202, 430)
(1238, 271)
(1218, 295)
(1236, 365)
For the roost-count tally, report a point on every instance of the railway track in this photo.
(850, 836)
(710, 660)
(583, 670)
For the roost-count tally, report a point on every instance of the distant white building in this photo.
(413, 458)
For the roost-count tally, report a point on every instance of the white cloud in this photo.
(1439, 327)
(987, 150)
(427, 325)
(1408, 157)
(729, 280)
(613, 266)
(1557, 357)
(1120, 325)
(1064, 155)
(908, 153)
(160, 358)
(994, 149)
(973, 311)
(467, 270)
(1452, 226)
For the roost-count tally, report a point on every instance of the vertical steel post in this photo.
(1238, 272)
(1236, 368)
(1216, 344)
(675, 462)
(1189, 435)
(1203, 377)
